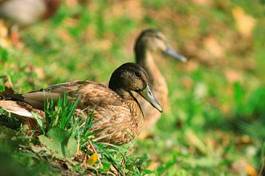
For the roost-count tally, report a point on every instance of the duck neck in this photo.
(127, 96)
(158, 82)
(146, 60)
(133, 104)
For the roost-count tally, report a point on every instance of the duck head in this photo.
(129, 78)
(153, 40)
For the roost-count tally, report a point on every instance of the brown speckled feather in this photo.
(109, 126)
(117, 115)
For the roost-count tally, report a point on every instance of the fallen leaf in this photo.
(3, 29)
(213, 47)
(39, 72)
(191, 66)
(4, 40)
(203, 2)
(130, 8)
(233, 76)
(251, 171)
(244, 22)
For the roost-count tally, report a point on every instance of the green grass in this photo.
(215, 125)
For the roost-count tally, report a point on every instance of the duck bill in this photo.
(148, 95)
(172, 53)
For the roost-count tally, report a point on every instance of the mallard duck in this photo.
(22, 13)
(149, 42)
(117, 114)
(27, 12)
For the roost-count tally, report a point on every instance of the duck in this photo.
(27, 12)
(117, 114)
(148, 44)
(23, 13)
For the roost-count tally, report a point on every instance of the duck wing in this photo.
(89, 93)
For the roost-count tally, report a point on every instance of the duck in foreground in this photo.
(117, 114)
(149, 43)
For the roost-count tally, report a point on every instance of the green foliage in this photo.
(60, 116)
(3, 55)
(60, 143)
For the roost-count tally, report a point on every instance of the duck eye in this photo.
(138, 74)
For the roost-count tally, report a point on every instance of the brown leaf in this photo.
(191, 66)
(130, 8)
(233, 76)
(203, 2)
(213, 47)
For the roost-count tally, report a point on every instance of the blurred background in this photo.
(215, 124)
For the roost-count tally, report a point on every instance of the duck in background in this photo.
(117, 113)
(22, 13)
(148, 43)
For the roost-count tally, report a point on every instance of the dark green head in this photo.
(153, 40)
(131, 77)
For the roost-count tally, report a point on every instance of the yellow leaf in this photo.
(250, 170)
(93, 159)
(4, 41)
(213, 47)
(244, 22)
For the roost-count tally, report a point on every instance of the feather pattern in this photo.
(148, 43)
(117, 115)
(102, 102)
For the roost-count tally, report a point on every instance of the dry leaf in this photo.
(38, 70)
(203, 2)
(213, 47)
(3, 29)
(191, 66)
(250, 170)
(130, 8)
(4, 41)
(244, 22)
(233, 76)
